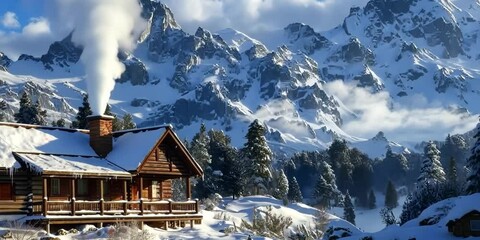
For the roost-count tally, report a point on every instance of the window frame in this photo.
(55, 187)
(475, 223)
(82, 187)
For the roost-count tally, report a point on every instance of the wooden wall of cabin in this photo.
(166, 159)
(14, 190)
(164, 189)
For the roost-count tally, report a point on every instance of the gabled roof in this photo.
(130, 147)
(16, 137)
(70, 164)
(39, 146)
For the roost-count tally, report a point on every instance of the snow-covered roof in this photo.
(131, 147)
(31, 138)
(71, 164)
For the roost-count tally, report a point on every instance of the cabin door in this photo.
(6, 191)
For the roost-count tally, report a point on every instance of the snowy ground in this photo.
(230, 213)
(369, 220)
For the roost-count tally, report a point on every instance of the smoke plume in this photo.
(101, 27)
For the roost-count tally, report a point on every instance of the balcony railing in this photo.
(101, 207)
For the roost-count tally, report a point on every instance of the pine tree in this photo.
(83, 112)
(232, 173)
(24, 114)
(451, 186)
(281, 185)
(431, 171)
(473, 164)
(391, 196)
(258, 155)
(348, 210)
(128, 122)
(39, 114)
(387, 216)
(59, 123)
(372, 200)
(294, 193)
(323, 192)
(199, 147)
(30, 113)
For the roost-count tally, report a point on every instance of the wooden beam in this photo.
(102, 201)
(140, 195)
(189, 188)
(72, 182)
(45, 197)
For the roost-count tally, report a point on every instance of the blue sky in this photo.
(30, 26)
(23, 9)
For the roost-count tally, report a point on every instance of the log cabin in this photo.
(58, 176)
(466, 226)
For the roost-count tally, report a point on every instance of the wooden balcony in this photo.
(100, 207)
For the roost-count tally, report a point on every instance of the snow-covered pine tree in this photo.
(348, 209)
(451, 187)
(322, 193)
(391, 196)
(83, 112)
(431, 172)
(233, 179)
(430, 185)
(258, 155)
(372, 200)
(199, 147)
(294, 193)
(329, 176)
(30, 113)
(281, 185)
(39, 114)
(473, 164)
(24, 114)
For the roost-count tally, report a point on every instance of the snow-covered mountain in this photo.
(226, 79)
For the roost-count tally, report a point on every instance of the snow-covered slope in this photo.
(404, 50)
(434, 221)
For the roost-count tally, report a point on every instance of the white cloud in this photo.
(404, 122)
(9, 20)
(34, 39)
(254, 16)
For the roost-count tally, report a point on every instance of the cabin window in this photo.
(155, 189)
(475, 225)
(55, 186)
(82, 187)
(6, 191)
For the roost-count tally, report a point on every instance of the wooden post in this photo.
(191, 223)
(125, 197)
(73, 197)
(189, 191)
(102, 206)
(45, 198)
(140, 195)
(197, 205)
(169, 206)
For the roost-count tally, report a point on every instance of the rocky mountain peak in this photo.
(305, 38)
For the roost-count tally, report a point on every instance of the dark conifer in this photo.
(294, 193)
(348, 209)
(391, 196)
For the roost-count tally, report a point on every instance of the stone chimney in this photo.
(100, 127)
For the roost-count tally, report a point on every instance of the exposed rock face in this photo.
(62, 54)
(4, 61)
(305, 38)
(405, 47)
